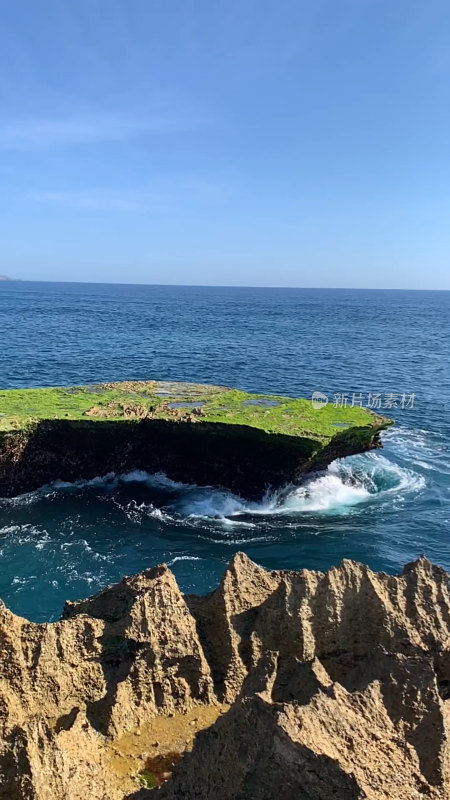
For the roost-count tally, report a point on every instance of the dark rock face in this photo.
(243, 459)
(338, 684)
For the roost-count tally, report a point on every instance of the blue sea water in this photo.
(382, 508)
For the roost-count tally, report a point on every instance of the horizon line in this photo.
(224, 286)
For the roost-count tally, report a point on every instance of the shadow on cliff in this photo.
(119, 651)
(117, 659)
(355, 655)
(241, 458)
(67, 450)
(213, 771)
(15, 769)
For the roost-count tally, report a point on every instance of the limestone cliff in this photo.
(337, 685)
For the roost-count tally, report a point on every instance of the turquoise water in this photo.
(383, 508)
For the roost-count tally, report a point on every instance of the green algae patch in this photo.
(209, 435)
(179, 401)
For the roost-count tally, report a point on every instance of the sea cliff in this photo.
(304, 685)
(208, 435)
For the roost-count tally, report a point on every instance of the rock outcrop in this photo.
(194, 433)
(338, 685)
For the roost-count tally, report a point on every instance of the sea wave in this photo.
(346, 484)
(423, 448)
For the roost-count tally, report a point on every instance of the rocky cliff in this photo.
(307, 685)
(208, 435)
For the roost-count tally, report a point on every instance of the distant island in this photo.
(5, 278)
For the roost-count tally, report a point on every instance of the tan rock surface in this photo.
(338, 684)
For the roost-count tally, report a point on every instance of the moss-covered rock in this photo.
(194, 433)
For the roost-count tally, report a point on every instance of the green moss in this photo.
(158, 769)
(134, 400)
(147, 779)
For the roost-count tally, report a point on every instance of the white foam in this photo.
(326, 493)
(425, 465)
(345, 484)
(155, 480)
(426, 449)
(212, 503)
(136, 512)
(183, 558)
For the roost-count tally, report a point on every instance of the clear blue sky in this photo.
(288, 143)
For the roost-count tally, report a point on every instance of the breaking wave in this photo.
(345, 485)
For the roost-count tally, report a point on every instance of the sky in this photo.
(230, 142)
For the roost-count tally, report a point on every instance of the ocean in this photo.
(383, 508)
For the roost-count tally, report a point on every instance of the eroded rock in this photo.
(338, 684)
